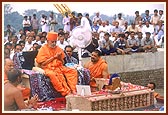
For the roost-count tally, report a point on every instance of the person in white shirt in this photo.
(28, 44)
(161, 15)
(159, 34)
(61, 42)
(102, 30)
(84, 23)
(45, 24)
(148, 28)
(155, 18)
(26, 24)
(66, 22)
(43, 40)
(97, 17)
(125, 26)
(108, 26)
(140, 26)
(117, 28)
(120, 20)
(37, 39)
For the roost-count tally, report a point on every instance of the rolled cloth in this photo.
(52, 36)
(111, 78)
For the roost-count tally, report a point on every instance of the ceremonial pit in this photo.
(130, 97)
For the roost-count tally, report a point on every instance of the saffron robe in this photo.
(64, 79)
(96, 70)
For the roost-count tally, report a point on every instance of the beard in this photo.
(52, 46)
(93, 60)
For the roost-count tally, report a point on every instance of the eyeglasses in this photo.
(68, 51)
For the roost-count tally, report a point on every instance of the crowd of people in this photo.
(142, 35)
(145, 34)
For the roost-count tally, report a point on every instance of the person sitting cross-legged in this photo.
(106, 45)
(133, 42)
(51, 59)
(121, 45)
(98, 68)
(148, 43)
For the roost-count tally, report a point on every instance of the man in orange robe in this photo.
(98, 68)
(50, 59)
(8, 66)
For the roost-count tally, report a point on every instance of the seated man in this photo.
(8, 66)
(152, 85)
(51, 59)
(122, 46)
(159, 98)
(68, 55)
(148, 43)
(13, 98)
(133, 42)
(98, 68)
(92, 46)
(70, 61)
(106, 45)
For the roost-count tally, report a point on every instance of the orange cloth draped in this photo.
(156, 94)
(96, 70)
(63, 79)
(26, 93)
(5, 77)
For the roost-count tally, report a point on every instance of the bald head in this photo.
(14, 75)
(8, 64)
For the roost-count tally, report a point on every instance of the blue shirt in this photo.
(70, 60)
(95, 28)
(159, 32)
(120, 44)
(145, 19)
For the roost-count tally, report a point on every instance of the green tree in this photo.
(30, 12)
(14, 19)
(7, 8)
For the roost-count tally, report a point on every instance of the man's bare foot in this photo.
(69, 94)
(74, 92)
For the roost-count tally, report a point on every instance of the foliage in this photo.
(14, 19)
(7, 9)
